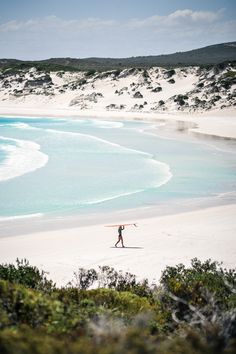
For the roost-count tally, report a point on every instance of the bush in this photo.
(116, 72)
(85, 278)
(230, 73)
(122, 302)
(202, 296)
(19, 304)
(188, 283)
(90, 72)
(27, 275)
(108, 277)
(191, 312)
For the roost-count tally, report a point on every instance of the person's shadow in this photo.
(128, 247)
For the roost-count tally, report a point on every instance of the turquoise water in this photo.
(64, 166)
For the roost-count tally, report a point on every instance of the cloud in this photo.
(54, 36)
(56, 23)
(195, 16)
(177, 18)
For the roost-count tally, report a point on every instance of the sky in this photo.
(34, 30)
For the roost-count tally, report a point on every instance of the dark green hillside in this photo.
(210, 55)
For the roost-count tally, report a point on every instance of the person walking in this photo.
(120, 237)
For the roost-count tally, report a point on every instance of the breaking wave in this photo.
(23, 156)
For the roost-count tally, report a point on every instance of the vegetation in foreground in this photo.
(107, 312)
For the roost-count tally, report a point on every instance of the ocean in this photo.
(62, 167)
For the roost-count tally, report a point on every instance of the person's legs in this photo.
(122, 242)
(118, 241)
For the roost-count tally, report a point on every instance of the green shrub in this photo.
(22, 305)
(84, 279)
(191, 312)
(230, 73)
(112, 279)
(188, 283)
(117, 72)
(25, 274)
(90, 72)
(108, 277)
(202, 296)
(123, 302)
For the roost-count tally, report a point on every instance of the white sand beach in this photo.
(150, 247)
(154, 244)
(215, 123)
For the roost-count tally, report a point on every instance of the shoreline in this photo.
(61, 246)
(212, 124)
(33, 223)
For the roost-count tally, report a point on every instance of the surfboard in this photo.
(121, 225)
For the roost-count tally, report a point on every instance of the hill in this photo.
(210, 55)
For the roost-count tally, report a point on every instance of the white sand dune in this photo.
(133, 94)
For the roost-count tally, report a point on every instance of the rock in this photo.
(17, 93)
(171, 81)
(146, 77)
(227, 82)
(39, 82)
(137, 95)
(127, 72)
(60, 74)
(215, 99)
(180, 99)
(161, 103)
(121, 91)
(214, 89)
(157, 89)
(19, 80)
(114, 106)
(200, 84)
(169, 73)
(111, 106)
(6, 84)
(91, 98)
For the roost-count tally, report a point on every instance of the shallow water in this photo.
(64, 166)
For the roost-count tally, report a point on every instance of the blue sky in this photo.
(110, 28)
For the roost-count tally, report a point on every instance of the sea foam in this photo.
(23, 156)
(19, 217)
